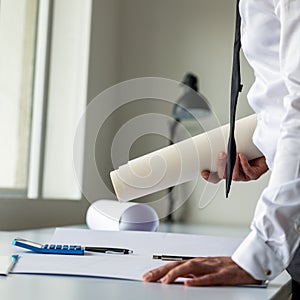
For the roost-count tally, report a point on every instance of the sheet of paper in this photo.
(149, 243)
(132, 266)
(7, 263)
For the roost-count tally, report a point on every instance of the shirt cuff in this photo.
(257, 258)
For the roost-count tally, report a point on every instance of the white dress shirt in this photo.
(271, 43)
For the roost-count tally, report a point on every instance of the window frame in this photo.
(33, 210)
(40, 97)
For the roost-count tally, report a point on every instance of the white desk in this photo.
(32, 287)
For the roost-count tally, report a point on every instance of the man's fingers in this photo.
(236, 174)
(158, 273)
(205, 271)
(211, 177)
(171, 271)
(221, 164)
(189, 267)
(243, 169)
(215, 177)
(206, 280)
(247, 169)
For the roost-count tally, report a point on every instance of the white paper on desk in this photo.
(133, 266)
(149, 243)
(5, 264)
(116, 266)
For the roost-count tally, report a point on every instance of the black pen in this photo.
(108, 250)
(172, 257)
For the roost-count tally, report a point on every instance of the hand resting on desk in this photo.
(211, 271)
(202, 271)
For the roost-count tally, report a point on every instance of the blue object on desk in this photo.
(66, 249)
(49, 249)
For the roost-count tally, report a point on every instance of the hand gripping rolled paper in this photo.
(180, 162)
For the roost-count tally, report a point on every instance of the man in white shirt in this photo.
(270, 32)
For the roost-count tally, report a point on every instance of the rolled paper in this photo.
(181, 162)
(114, 215)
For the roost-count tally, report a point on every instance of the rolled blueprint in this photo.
(181, 162)
(114, 215)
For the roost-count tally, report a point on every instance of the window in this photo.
(43, 81)
(17, 53)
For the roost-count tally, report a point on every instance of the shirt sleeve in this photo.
(275, 234)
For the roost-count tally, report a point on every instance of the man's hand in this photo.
(244, 170)
(202, 271)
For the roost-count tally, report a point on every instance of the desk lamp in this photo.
(189, 106)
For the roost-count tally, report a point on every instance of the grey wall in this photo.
(168, 38)
(103, 73)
